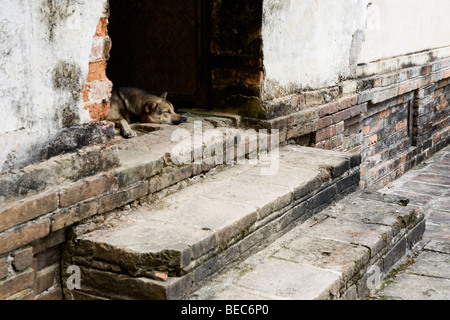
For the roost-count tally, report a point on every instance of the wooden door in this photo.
(161, 45)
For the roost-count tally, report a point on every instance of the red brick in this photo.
(254, 79)
(325, 134)
(354, 128)
(27, 210)
(333, 143)
(404, 89)
(341, 116)
(372, 140)
(23, 259)
(46, 278)
(425, 70)
(102, 28)
(16, 284)
(328, 109)
(86, 189)
(324, 122)
(121, 198)
(357, 110)
(366, 130)
(3, 268)
(53, 294)
(97, 71)
(385, 114)
(356, 149)
(447, 73)
(401, 125)
(12, 240)
(340, 127)
(98, 111)
(70, 216)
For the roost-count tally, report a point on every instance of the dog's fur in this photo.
(130, 105)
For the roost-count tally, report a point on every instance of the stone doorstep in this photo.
(168, 237)
(327, 257)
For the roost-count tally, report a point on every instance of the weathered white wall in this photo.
(44, 47)
(310, 43)
(399, 27)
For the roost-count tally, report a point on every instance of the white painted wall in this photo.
(399, 27)
(310, 43)
(41, 41)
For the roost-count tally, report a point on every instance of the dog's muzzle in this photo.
(182, 120)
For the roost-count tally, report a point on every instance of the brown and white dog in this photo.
(131, 105)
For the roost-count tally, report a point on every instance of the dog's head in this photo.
(159, 110)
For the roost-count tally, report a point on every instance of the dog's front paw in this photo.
(130, 134)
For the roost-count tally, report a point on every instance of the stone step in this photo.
(342, 253)
(189, 236)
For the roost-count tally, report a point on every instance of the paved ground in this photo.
(427, 275)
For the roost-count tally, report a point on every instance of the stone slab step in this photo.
(194, 233)
(340, 253)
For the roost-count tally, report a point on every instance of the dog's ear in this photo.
(149, 107)
(164, 96)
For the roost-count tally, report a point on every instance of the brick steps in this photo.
(193, 234)
(335, 255)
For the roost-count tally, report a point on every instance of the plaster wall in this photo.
(45, 47)
(402, 27)
(310, 44)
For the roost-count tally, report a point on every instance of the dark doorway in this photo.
(161, 46)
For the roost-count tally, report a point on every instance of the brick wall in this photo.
(395, 118)
(237, 70)
(97, 90)
(409, 125)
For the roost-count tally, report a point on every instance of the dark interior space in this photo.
(162, 46)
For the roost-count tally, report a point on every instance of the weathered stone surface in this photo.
(125, 287)
(288, 280)
(438, 246)
(207, 225)
(326, 254)
(374, 237)
(414, 287)
(153, 245)
(432, 264)
(376, 213)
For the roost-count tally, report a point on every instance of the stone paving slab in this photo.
(327, 257)
(427, 187)
(414, 287)
(438, 246)
(432, 264)
(288, 280)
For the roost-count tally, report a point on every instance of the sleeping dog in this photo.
(130, 105)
